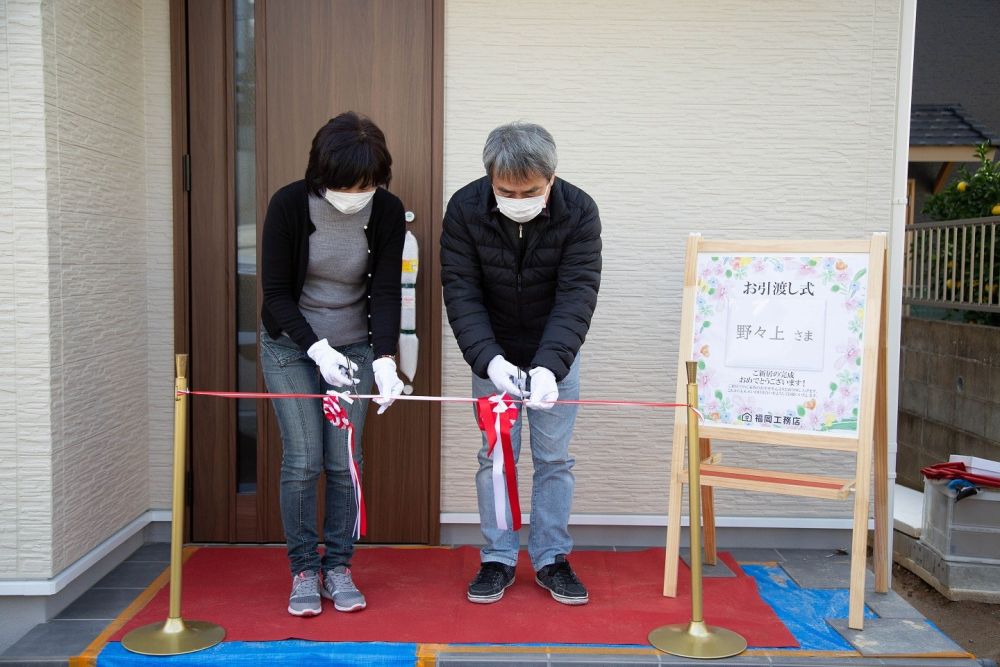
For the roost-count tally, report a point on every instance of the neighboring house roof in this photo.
(945, 133)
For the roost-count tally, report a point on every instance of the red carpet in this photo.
(418, 595)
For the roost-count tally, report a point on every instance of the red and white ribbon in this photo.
(337, 415)
(496, 417)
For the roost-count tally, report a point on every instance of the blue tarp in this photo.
(804, 610)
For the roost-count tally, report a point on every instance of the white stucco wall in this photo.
(91, 258)
(733, 119)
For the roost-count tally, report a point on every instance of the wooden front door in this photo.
(262, 77)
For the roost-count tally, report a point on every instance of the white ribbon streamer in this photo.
(499, 484)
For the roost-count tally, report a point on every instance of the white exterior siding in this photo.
(733, 119)
(25, 343)
(92, 256)
(159, 249)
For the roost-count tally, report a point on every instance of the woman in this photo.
(331, 257)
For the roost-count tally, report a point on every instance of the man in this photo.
(521, 267)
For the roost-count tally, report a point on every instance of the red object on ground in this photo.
(958, 470)
(418, 595)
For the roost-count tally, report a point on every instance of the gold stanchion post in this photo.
(175, 635)
(695, 639)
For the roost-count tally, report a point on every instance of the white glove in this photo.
(389, 384)
(332, 364)
(543, 389)
(506, 376)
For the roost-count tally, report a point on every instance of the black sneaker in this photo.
(560, 580)
(490, 583)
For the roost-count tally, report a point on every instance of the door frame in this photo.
(222, 199)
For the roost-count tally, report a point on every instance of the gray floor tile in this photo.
(755, 555)
(823, 572)
(100, 603)
(56, 639)
(827, 555)
(891, 605)
(719, 570)
(895, 636)
(493, 659)
(155, 552)
(598, 658)
(132, 574)
(33, 662)
(735, 661)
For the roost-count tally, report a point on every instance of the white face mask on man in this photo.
(348, 202)
(522, 210)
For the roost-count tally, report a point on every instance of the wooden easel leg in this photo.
(859, 541)
(707, 509)
(882, 559)
(673, 532)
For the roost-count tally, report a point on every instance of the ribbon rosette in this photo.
(496, 417)
(337, 415)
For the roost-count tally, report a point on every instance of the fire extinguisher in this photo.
(409, 345)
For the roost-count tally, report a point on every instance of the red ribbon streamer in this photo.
(337, 415)
(487, 415)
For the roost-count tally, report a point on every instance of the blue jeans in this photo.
(553, 481)
(311, 445)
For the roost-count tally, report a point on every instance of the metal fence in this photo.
(953, 264)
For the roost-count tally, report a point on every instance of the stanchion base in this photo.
(173, 637)
(697, 640)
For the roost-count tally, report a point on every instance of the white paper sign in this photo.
(777, 332)
(778, 341)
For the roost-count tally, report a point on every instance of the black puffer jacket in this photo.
(536, 311)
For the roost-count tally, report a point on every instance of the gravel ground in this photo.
(975, 626)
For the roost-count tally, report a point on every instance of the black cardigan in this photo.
(285, 257)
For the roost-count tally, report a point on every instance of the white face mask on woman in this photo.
(522, 210)
(348, 202)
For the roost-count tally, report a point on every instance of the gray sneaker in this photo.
(305, 600)
(339, 587)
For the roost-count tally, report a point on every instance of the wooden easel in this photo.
(869, 444)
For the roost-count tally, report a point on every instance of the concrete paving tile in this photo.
(895, 636)
(824, 555)
(492, 659)
(598, 658)
(719, 570)
(735, 661)
(823, 573)
(755, 555)
(57, 639)
(891, 605)
(154, 552)
(132, 574)
(100, 603)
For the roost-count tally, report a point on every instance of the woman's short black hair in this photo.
(349, 150)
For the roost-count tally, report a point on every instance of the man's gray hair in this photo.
(520, 151)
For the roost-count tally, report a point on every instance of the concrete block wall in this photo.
(949, 395)
(85, 235)
(732, 119)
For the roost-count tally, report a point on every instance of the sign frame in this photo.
(868, 442)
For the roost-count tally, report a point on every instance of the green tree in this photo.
(972, 195)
